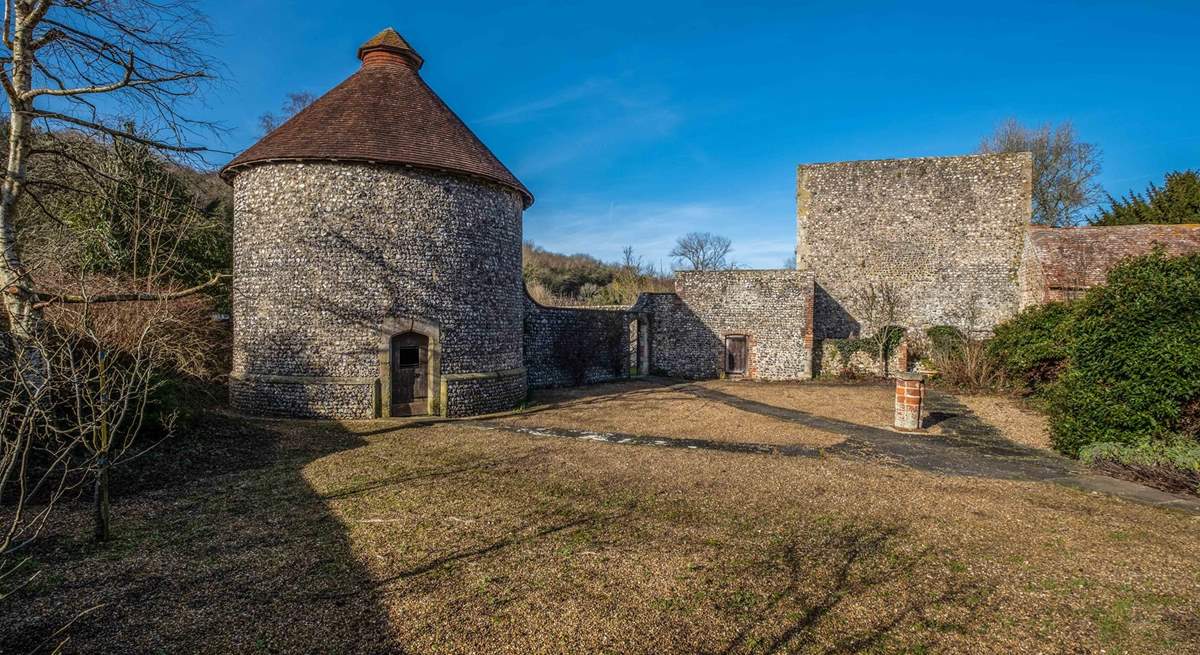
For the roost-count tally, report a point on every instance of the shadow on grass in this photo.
(219, 545)
(529, 534)
(967, 445)
(819, 573)
(625, 390)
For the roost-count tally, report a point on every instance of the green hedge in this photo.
(1032, 346)
(1133, 353)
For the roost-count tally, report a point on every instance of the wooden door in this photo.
(410, 375)
(735, 355)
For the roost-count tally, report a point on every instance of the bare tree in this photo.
(295, 103)
(879, 305)
(69, 422)
(34, 465)
(966, 362)
(1064, 169)
(141, 55)
(82, 362)
(702, 251)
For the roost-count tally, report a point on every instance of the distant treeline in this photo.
(556, 279)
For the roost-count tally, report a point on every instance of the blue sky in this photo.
(633, 123)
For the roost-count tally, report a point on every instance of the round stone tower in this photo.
(377, 256)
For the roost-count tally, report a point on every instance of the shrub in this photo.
(1031, 347)
(968, 365)
(944, 338)
(1173, 467)
(1134, 355)
(843, 364)
(847, 347)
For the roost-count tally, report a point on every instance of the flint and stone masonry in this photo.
(771, 309)
(377, 256)
(331, 258)
(946, 231)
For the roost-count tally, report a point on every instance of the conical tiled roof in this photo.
(383, 113)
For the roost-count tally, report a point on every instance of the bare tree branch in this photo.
(46, 299)
(702, 251)
(124, 134)
(1064, 169)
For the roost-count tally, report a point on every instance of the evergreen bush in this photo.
(1134, 358)
(1031, 347)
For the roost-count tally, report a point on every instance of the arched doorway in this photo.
(409, 374)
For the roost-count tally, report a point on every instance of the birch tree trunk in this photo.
(18, 296)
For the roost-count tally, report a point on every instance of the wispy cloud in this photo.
(530, 110)
(603, 138)
(596, 118)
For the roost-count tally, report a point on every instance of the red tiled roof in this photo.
(1080, 257)
(383, 113)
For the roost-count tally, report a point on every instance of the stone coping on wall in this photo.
(580, 308)
(928, 158)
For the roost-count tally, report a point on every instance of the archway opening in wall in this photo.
(409, 374)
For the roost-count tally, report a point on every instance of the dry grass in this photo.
(378, 537)
(869, 403)
(650, 409)
(1013, 417)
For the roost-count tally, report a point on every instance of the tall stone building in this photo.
(944, 232)
(377, 256)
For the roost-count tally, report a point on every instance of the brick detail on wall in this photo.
(770, 308)
(947, 231)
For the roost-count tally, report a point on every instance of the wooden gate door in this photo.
(410, 376)
(735, 355)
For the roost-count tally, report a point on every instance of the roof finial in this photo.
(389, 46)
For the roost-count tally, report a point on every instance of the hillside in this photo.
(556, 279)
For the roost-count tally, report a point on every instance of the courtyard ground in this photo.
(711, 517)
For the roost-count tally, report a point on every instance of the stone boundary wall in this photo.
(828, 361)
(771, 308)
(565, 346)
(947, 231)
(1031, 287)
